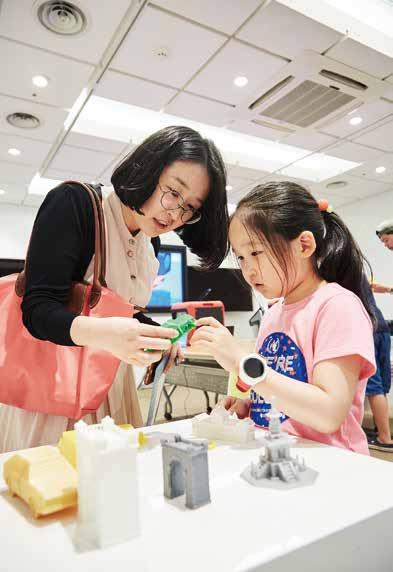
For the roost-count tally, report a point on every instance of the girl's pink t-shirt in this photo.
(330, 323)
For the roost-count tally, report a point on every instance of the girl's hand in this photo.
(125, 338)
(176, 356)
(239, 406)
(212, 337)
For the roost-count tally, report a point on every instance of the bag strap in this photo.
(99, 249)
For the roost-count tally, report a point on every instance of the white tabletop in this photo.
(244, 527)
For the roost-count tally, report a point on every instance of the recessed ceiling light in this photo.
(356, 120)
(380, 169)
(13, 151)
(229, 188)
(40, 81)
(240, 81)
(2, 192)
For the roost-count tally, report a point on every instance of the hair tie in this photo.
(324, 206)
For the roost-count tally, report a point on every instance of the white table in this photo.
(343, 522)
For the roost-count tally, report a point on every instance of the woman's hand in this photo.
(214, 338)
(239, 406)
(125, 338)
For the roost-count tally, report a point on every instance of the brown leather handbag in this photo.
(41, 376)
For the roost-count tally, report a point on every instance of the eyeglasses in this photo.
(171, 200)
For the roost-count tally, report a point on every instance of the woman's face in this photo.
(182, 183)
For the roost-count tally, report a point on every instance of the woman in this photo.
(175, 180)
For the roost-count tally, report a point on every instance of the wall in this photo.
(362, 219)
(15, 228)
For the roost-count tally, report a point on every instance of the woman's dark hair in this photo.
(278, 212)
(136, 178)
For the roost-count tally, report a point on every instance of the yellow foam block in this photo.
(43, 478)
(67, 444)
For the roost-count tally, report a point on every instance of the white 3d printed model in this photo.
(107, 484)
(276, 468)
(220, 424)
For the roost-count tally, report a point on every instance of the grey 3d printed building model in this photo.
(276, 468)
(186, 470)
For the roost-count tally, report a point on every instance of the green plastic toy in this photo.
(183, 323)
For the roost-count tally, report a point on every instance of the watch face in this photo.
(253, 367)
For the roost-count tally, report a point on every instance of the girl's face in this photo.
(259, 267)
(182, 183)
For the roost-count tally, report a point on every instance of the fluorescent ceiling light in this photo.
(40, 81)
(355, 120)
(41, 186)
(240, 81)
(229, 188)
(380, 169)
(75, 109)
(369, 23)
(2, 192)
(122, 122)
(318, 167)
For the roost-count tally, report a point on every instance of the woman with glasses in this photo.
(174, 181)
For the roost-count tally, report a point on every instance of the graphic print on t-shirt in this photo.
(283, 356)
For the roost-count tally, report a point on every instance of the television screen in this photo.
(225, 284)
(171, 282)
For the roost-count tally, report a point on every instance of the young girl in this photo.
(317, 339)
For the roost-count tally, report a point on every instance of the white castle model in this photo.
(220, 424)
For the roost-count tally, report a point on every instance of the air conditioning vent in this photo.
(62, 18)
(270, 92)
(345, 80)
(307, 103)
(274, 126)
(23, 120)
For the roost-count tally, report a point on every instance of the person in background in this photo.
(384, 232)
(316, 343)
(378, 385)
(173, 181)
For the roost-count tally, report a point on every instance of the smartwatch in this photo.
(252, 370)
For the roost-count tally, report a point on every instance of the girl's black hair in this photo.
(278, 212)
(136, 178)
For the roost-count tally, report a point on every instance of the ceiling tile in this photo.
(94, 143)
(355, 188)
(52, 119)
(245, 173)
(81, 160)
(370, 113)
(134, 91)
(20, 63)
(244, 126)
(19, 21)
(14, 173)
(223, 15)
(188, 47)
(353, 152)
(363, 58)
(32, 152)
(200, 109)
(283, 31)
(367, 170)
(309, 139)
(235, 59)
(237, 183)
(69, 175)
(380, 137)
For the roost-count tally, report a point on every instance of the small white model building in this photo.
(107, 484)
(276, 468)
(220, 424)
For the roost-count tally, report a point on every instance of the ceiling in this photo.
(181, 57)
